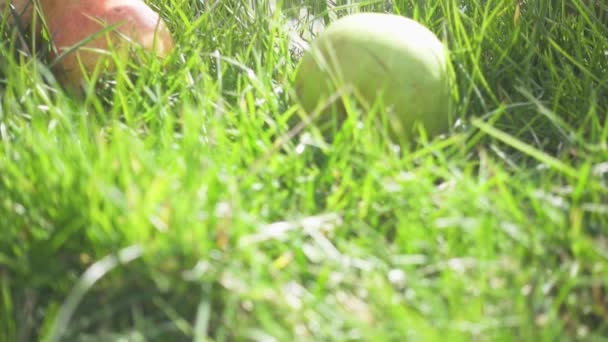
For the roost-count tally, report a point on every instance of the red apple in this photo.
(70, 22)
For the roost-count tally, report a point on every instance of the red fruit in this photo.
(71, 21)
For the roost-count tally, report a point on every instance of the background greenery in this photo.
(175, 203)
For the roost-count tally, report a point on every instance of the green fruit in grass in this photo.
(386, 60)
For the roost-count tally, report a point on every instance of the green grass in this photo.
(178, 205)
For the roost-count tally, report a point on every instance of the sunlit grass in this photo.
(176, 202)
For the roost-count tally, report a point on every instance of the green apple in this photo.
(385, 60)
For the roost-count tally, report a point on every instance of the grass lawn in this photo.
(177, 203)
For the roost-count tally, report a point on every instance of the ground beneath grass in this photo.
(177, 202)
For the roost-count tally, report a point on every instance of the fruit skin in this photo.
(71, 21)
(383, 57)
